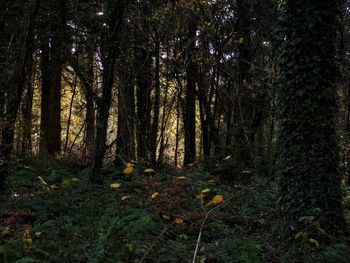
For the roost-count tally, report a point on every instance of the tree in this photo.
(52, 47)
(190, 105)
(109, 54)
(308, 143)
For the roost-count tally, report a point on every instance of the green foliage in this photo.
(80, 222)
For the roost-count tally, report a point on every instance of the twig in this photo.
(155, 241)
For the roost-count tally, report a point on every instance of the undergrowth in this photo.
(50, 213)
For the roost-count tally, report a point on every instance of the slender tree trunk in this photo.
(156, 106)
(190, 106)
(74, 92)
(27, 109)
(144, 82)
(109, 51)
(126, 122)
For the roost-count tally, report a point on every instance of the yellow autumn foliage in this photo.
(115, 186)
(129, 170)
(217, 199)
(149, 170)
(178, 221)
(154, 195)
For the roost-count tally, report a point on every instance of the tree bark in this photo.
(308, 142)
(190, 105)
(109, 49)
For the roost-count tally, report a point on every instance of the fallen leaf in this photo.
(149, 170)
(28, 240)
(206, 190)
(126, 197)
(314, 241)
(166, 217)
(129, 170)
(246, 172)
(179, 221)
(217, 199)
(115, 186)
(154, 195)
(181, 178)
(227, 158)
(209, 204)
(200, 196)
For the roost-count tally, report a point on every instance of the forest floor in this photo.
(50, 213)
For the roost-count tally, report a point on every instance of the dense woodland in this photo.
(174, 131)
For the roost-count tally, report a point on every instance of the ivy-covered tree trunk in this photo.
(308, 142)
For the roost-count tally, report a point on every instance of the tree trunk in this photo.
(126, 117)
(190, 105)
(51, 70)
(156, 106)
(144, 82)
(109, 51)
(308, 143)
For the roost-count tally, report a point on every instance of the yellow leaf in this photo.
(129, 164)
(246, 172)
(241, 40)
(227, 158)
(181, 178)
(217, 199)
(166, 217)
(115, 186)
(126, 197)
(206, 190)
(28, 240)
(179, 221)
(154, 195)
(149, 170)
(37, 234)
(128, 170)
(200, 196)
(209, 204)
(314, 241)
